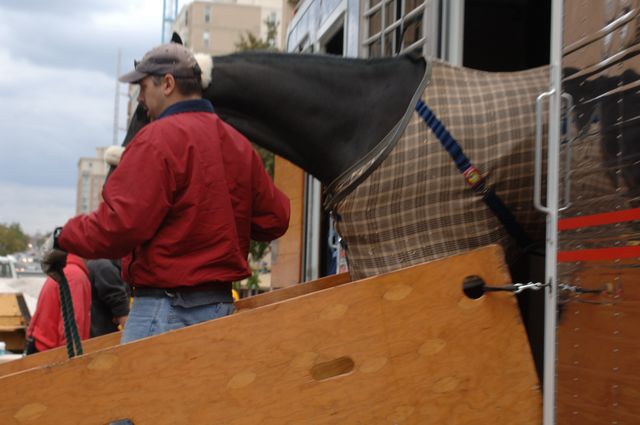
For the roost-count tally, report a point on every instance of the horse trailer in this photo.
(588, 187)
(429, 326)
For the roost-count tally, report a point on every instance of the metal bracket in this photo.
(517, 288)
(537, 177)
(579, 290)
(474, 287)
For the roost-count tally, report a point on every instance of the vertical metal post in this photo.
(169, 15)
(164, 14)
(312, 237)
(432, 28)
(382, 27)
(443, 41)
(452, 31)
(553, 182)
(116, 106)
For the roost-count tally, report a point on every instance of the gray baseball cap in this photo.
(169, 58)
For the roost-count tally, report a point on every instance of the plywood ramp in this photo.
(402, 348)
(14, 317)
(59, 355)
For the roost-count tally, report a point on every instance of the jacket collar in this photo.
(191, 105)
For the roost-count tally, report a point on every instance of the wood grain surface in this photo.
(407, 347)
(59, 355)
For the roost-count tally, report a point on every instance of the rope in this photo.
(473, 177)
(65, 320)
(72, 322)
(68, 317)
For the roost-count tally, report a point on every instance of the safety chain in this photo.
(534, 286)
(517, 288)
(474, 287)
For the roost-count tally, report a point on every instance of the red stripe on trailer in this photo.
(599, 254)
(599, 219)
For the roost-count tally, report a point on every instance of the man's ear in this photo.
(168, 84)
(175, 38)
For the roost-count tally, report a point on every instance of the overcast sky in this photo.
(58, 65)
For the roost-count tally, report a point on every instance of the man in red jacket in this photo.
(46, 328)
(181, 207)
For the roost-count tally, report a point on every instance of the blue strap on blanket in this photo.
(473, 177)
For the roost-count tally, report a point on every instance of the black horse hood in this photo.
(337, 118)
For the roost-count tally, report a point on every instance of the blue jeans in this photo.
(153, 315)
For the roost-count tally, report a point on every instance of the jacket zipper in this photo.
(129, 271)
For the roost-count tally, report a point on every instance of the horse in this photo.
(396, 195)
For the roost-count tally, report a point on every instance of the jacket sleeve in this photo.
(271, 207)
(137, 197)
(109, 287)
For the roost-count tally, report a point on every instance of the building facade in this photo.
(92, 173)
(216, 27)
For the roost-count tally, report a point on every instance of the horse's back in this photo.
(416, 206)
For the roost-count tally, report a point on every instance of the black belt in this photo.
(223, 289)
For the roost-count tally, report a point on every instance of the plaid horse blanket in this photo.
(416, 206)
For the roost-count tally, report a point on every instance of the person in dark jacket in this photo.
(109, 297)
(183, 204)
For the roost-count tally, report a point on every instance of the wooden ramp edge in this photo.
(59, 355)
(407, 347)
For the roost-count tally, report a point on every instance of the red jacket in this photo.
(188, 195)
(46, 326)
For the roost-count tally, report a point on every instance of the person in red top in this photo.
(46, 329)
(181, 207)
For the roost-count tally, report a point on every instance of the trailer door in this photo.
(593, 205)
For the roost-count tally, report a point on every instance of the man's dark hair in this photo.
(189, 86)
(186, 85)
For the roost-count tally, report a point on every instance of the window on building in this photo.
(84, 194)
(393, 27)
(304, 46)
(207, 14)
(271, 22)
(186, 17)
(205, 38)
(335, 44)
